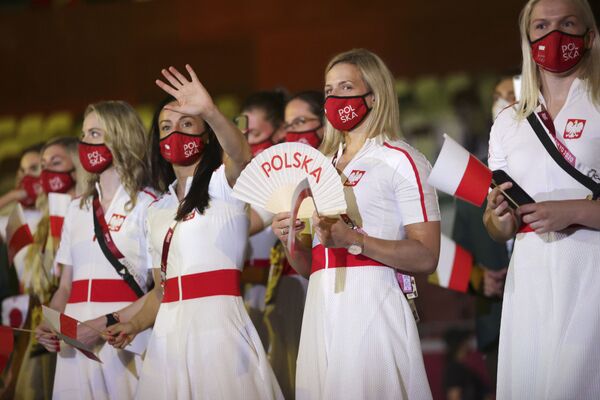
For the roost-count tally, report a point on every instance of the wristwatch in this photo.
(112, 319)
(356, 247)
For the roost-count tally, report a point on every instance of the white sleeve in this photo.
(154, 255)
(496, 154)
(416, 199)
(219, 187)
(63, 254)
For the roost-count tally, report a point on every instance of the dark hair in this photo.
(314, 99)
(35, 148)
(271, 102)
(163, 174)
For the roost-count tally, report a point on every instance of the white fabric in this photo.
(359, 338)
(32, 217)
(550, 318)
(449, 167)
(76, 376)
(204, 348)
(445, 265)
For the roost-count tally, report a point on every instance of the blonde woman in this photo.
(549, 331)
(61, 170)
(110, 213)
(359, 338)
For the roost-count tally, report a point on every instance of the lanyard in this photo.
(549, 124)
(99, 213)
(165, 253)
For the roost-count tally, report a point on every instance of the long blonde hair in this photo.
(38, 274)
(589, 66)
(384, 118)
(128, 142)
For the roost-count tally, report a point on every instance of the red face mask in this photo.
(31, 185)
(181, 148)
(345, 113)
(257, 148)
(95, 158)
(307, 137)
(56, 182)
(558, 51)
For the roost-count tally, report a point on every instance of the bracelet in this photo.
(112, 319)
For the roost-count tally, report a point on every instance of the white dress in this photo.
(359, 338)
(204, 347)
(95, 286)
(550, 326)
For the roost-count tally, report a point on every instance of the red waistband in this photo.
(258, 263)
(222, 282)
(337, 258)
(103, 291)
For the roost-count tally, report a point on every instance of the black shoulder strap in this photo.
(559, 159)
(120, 268)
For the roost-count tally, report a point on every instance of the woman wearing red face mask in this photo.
(304, 118)
(549, 331)
(60, 172)
(203, 343)
(103, 255)
(359, 338)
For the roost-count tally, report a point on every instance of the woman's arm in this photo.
(193, 99)
(499, 219)
(137, 316)
(11, 197)
(302, 259)
(553, 216)
(418, 253)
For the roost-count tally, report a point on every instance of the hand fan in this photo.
(272, 176)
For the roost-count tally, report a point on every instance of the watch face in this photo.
(355, 249)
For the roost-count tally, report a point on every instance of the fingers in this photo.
(190, 70)
(166, 88)
(178, 75)
(168, 74)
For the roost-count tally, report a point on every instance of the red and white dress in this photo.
(359, 338)
(203, 344)
(550, 326)
(96, 290)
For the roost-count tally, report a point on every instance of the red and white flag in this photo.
(14, 310)
(454, 267)
(66, 330)
(7, 342)
(302, 192)
(460, 174)
(57, 209)
(18, 234)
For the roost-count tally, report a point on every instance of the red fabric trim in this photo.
(461, 270)
(258, 263)
(56, 224)
(288, 270)
(68, 326)
(525, 228)
(222, 282)
(339, 258)
(475, 182)
(103, 291)
(21, 238)
(414, 167)
(149, 193)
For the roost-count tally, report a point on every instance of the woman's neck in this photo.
(555, 89)
(109, 184)
(355, 140)
(182, 173)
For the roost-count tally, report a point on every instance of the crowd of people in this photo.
(184, 291)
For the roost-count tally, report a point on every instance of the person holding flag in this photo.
(549, 145)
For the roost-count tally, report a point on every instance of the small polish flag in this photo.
(57, 209)
(454, 267)
(302, 206)
(7, 343)
(18, 234)
(14, 310)
(460, 174)
(66, 330)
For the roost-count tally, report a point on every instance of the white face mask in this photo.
(498, 106)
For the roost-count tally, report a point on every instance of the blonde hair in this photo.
(39, 277)
(128, 142)
(589, 66)
(384, 118)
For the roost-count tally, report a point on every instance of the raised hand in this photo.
(192, 98)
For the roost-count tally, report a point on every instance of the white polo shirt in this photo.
(79, 247)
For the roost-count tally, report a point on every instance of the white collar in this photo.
(188, 185)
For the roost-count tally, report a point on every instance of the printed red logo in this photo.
(354, 177)
(574, 128)
(115, 222)
(190, 216)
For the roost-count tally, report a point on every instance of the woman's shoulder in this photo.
(399, 154)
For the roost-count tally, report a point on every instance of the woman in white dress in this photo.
(550, 332)
(113, 149)
(204, 345)
(359, 338)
